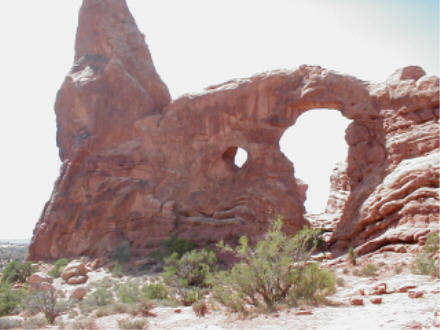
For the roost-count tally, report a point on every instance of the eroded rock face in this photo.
(138, 167)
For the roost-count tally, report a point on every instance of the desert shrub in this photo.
(173, 245)
(122, 252)
(111, 309)
(46, 302)
(432, 243)
(155, 291)
(352, 255)
(17, 271)
(177, 245)
(345, 271)
(59, 265)
(11, 323)
(98, 298)
(200, 308)
(189, 295)
(368, 270)
(129, 293)
(132, 324)
(312, 284)
(131, 300)
(36, 322)
(9, 299)
(274, 271)
(117, 269)
(398, 269)
(191, 269)
(424, 265)
(84, 324)
(142, 307)
(190, 274)
(340, 281)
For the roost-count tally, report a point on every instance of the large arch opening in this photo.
(315, 144)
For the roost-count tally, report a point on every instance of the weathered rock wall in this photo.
(138, 167)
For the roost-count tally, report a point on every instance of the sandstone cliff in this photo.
(138, 167)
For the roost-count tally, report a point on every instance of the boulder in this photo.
(78, 293)
(415, 294)
(405, 288)
(41, 282)
(38, 278)
(77, 279)
(376, 300)
(379, 289)
(74, 268)
(356, 301)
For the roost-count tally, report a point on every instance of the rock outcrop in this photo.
(138, 167)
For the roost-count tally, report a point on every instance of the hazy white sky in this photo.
(194, 43)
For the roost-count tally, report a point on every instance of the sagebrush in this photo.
(277, 270)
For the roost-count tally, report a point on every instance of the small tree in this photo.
(276, 270)
(46, 302)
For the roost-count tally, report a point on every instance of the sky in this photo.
(194, 44)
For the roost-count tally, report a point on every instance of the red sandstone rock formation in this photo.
(138, 167)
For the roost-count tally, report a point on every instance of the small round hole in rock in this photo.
(240, 157)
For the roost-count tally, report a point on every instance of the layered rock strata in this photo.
(138, 167)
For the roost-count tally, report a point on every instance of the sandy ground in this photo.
(397, 311)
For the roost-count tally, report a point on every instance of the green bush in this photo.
(432, 243)
(117, 270)
(190, 274)
(59, 266)
(200, 308)
(173, 245)
(190, 295)
(9, 299)
(155, 291)
(352, 255)
(312, 284)
(424, 265)
(17, 271)
(132, 324)
(129, 293)
(177, 245)
(275, 271)
(191, 269)
(122, 252)
(368, 270)
(98, 298)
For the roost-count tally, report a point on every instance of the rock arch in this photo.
(138, 167)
